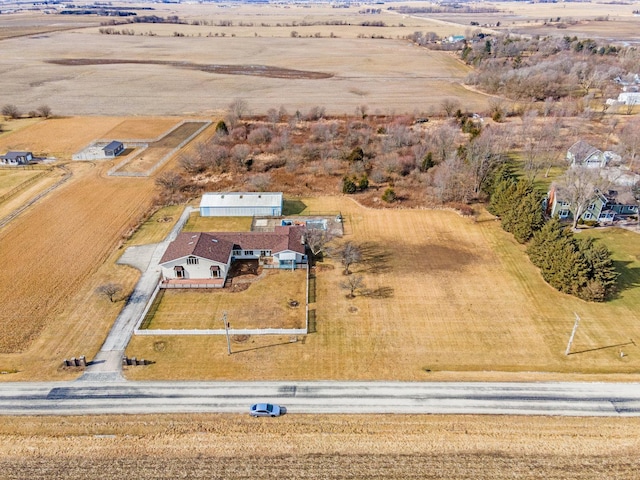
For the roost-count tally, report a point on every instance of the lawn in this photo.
(264, 304)
(446, 297)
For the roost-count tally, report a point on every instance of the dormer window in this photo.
(192, 260)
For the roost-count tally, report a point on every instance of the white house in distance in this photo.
(584, 155)
(16, 158)
(204, 259)
(241, 204)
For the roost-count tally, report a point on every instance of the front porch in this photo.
(192, 283)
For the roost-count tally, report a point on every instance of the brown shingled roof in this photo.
(204, 245)
(284, 238)
(217, 246)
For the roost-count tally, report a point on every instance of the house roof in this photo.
(283, 238)
(113, 145)
(217, 246)
(204, 245)
(15, 155)
(581, 150)
(241, 199)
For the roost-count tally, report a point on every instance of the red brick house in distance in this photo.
(205, 258)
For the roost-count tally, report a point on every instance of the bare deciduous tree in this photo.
(349, 254)
(450, 106)
(317, 239)
(578, 187)
(11, 111)
(629, 142)
(482, 154)
(110, 290)
(238, 108)
(260, 181)
(352, 283)
(44, 111)
(171, 181)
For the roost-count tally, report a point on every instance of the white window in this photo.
(237, 252)
(265, 253)
(563, 213)
(192, 260)
(591, 206)
(587, 216)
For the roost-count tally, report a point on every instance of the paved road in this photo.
(107, 365)
(549, 398)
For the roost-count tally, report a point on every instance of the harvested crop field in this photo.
(339, 65)
(70, 232)
(331, 447)
(445, 297)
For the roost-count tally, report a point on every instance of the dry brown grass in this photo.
(448, 298)
(264, 304)
(305, 446)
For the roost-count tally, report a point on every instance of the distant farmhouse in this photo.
(241, 204)
(584, 155)
(16, 158)
(205, 258)
(606, 206)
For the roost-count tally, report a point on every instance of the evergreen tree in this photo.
(602, 273)
(348, 185)
(427, 162)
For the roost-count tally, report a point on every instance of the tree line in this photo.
(577, 266)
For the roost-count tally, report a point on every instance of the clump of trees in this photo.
(542, 67)
(577, 266)
(580, 267)
(11, 111)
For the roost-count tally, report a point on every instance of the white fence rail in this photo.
(232, 331)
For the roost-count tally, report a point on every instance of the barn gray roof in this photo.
(241, 199)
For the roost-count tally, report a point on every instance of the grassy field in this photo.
(265, 304)
(311, 447)
(447, 297)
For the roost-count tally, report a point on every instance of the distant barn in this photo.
(114, 149)
(241, 204)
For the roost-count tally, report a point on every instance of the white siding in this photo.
(201, 270)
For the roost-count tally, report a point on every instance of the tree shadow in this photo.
(380, 293)
(375, 258)
(628, 277)
(293, 207)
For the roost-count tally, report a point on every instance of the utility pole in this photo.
(226, 329)
(573, 333)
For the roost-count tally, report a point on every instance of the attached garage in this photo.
(241, 204)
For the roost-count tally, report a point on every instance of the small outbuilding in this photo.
(113, 149)
(241, 204)
(16, 158)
